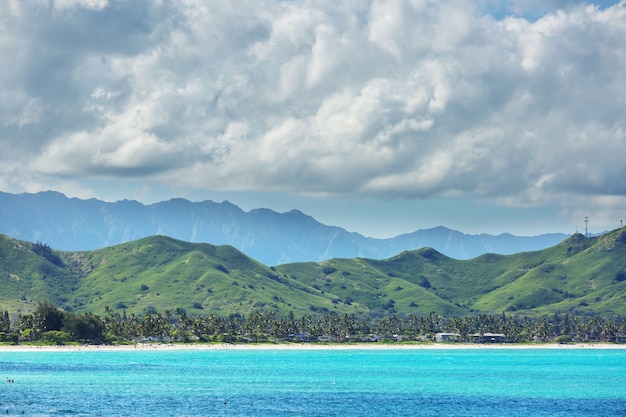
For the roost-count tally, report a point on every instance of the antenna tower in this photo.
(586, 231)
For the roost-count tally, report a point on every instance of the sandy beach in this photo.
(304, 346)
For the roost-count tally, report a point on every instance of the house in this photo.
(446, 337)
(299, 337)
(325, 339)
(488, 338)
(373, 338)
(494, 337)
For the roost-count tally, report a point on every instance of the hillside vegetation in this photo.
(156, 274)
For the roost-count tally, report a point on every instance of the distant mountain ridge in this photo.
(73, 224)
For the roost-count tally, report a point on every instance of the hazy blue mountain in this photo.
(273, 238)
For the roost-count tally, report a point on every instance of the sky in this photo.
(381, 117)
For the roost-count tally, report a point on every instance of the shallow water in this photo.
(508, 382)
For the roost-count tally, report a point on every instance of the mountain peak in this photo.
(266, 235)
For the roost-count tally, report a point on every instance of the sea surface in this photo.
(334, 382)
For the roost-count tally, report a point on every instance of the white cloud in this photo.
(88, 4)
(404, 98)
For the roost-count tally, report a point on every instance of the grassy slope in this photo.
(160, 273)
(166, 274)
(25, 276)
(579, 275)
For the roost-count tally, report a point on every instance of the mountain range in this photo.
(73, 224)
(581, 275)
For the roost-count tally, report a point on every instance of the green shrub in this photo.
(563, 339)
(8, 338)
(56, 337)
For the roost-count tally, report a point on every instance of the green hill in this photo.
(151, 274)
(580, 275)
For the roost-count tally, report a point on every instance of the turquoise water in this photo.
(472, 382)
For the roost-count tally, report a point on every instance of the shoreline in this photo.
(301, 346)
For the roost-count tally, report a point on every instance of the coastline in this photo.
(301, 346)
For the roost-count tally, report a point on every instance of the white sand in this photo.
(307, 346)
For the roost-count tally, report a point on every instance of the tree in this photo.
(47, 317)
(5, 323)
(85, 327)
(46, 252)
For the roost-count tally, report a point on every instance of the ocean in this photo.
(333, 382)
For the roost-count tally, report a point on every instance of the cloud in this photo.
(403, 99)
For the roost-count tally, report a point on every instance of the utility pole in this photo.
(586, 230)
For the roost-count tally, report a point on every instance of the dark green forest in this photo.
(51, 325)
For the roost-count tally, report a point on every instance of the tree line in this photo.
(49, 324)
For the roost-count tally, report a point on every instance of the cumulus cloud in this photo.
(400, 98)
